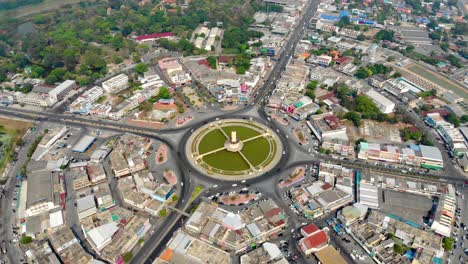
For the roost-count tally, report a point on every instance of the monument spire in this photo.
(233, 137)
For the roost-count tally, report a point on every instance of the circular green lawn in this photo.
(208, 148)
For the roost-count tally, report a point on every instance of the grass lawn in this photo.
(6, 147)
(213, 140)
(440, 80)
(11, 131)
(243, 132)
(256, 151)
(226, 160)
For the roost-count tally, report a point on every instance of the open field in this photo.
(46, 6)
(438, 79)
(10, 132)
(226, 160)
(15, 125)
(256, 151)
(243, 132)
(214, 139)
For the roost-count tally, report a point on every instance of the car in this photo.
(3, 247)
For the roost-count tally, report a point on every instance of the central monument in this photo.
(233, 144)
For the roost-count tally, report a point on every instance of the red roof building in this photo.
(154, 36)
(313, 243)
(343, 60)
(309, 230)
(225, 59)
(204, 63)
(333, 122)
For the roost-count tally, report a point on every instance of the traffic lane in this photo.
(13, 253)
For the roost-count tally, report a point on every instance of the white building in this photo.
(101, 236)
(323, 60)
(32, 98)
(396, 86)
(445, 216)
(59, 92)
(52, 136)
(92, 94)
(86, 206)
(40, 195)
(116, 84)
(84, 103)
(368, 195)
(384, 104)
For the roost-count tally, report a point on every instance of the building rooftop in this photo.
(184, 248)
(84, 143)
(101, 234)
(316, 240)
(85, 203)
(40, 188)
(68, 247)
(62, 87)
(329, 255)
(310, 229)
(430, 152)
(154, 36)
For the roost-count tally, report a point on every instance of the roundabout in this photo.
(233, 149)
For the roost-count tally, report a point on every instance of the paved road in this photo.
(6, 210)
(460, 233)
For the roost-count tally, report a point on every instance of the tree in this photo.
(452, 2)
(25, 240)
(444, 46)
(175, 198)
(448, 243)
(460, 28)
(312, 84)
(425, 141)
(117, 41)
(435, 35)
(454, 61)
(435, 6)
(384, 34)
(163, 213)
(141, 68)
(362, 73)
(408, 134)
(354, 117)
(37, 71)
(212, 61)
(344, 21)
(164, 93)
(127, 257)
(242, 62)
(453, 119)
(310, 93)
(399, 249)
(464, 118)
(361, 37)
(396, 75)
(51, 79)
